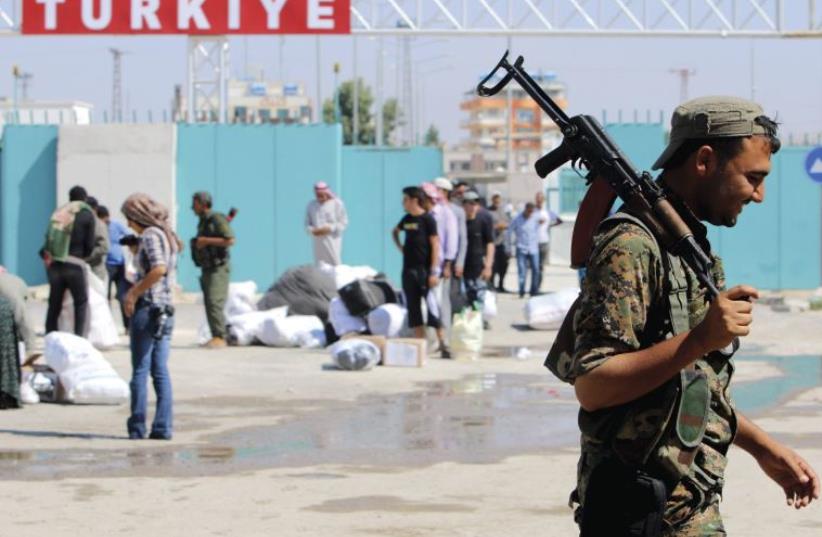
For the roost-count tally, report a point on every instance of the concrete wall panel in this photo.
(115, 160)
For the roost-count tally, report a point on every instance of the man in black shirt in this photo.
(69, 240)
(479, 258)
(420, 258)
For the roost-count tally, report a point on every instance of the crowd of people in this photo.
(455, 248)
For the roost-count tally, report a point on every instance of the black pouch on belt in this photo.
(622, 502)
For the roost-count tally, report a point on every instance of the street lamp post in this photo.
(15, 72)
(337, 92)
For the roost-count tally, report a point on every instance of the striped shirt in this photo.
(155, 251)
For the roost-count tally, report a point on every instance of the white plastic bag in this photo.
(546, 312)
(246, 328)
(355, 354)
(345, 274)
(341, 319)
(466, 335)
(389, 320)
(102, 331)
(203, 333)
(64, 351)
(129, 266)
(28, 395)
(94, 384)
(315, 339)
(85, 375)
(241, 298)
(287, 331)
(489, 306)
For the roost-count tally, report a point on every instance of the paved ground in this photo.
(269, 441)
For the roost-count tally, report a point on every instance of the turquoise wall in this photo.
(372, 185)
(776, 244)
(268, 172)
(28, 175)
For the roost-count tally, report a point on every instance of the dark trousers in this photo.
(117, 278)
(71, 277)
(415, 287)
(214, 283)
(500, 266)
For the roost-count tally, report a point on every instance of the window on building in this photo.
(525, 116)
(240, 114)
(265, 115)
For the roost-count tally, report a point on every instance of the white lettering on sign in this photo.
(233, 14)
(144, 14)
(320, 15)
(51, 12)
(273, 8)
(188, 10)
(101, 21)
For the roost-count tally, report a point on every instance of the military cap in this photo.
(712, 117)
(203, 197)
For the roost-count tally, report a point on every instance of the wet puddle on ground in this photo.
(478, 419)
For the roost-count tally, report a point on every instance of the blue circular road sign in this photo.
(813, 164)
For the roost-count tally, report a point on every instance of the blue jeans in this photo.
(524, 260)
(149, 355)
(117, 277)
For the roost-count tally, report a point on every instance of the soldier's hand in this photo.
(729, 316)
(791, 472)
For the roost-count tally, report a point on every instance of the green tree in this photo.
(390, 113)
(432, 136)
(366, 134)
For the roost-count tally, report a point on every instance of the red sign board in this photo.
(210, 17)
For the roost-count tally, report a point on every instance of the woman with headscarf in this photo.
(149, 306)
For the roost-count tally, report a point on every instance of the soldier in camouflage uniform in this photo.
(210, 252)
(644, 352)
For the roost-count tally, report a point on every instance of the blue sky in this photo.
(601, 73)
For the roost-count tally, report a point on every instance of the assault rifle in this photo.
(610, 174)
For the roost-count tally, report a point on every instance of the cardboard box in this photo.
(379, 341)
(405, 352)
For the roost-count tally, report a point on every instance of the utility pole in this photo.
(319, 106)
(25, 79)
(408, 92)
(117, 85)
(355, 121)
(380, 52)
(684, 80)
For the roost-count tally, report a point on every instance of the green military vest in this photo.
(663, 432)
(213, 225)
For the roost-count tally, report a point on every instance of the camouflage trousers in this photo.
(706, 522)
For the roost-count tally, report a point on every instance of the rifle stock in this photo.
(594, 209)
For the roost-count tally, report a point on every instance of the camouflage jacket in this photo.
(622, 306)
